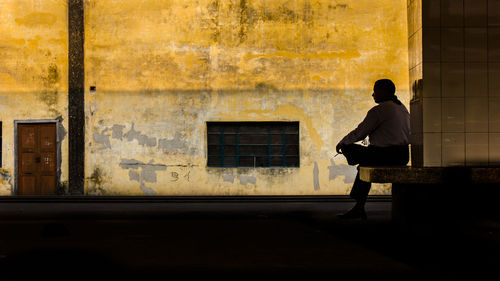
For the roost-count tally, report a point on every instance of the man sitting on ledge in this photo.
(388, 127)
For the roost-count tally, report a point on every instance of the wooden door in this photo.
(37, 159)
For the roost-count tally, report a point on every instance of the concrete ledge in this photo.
(164, 207)
(430, 175)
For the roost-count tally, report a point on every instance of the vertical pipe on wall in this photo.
(76, 113)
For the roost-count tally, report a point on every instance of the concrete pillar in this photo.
(454, 57)
(76, 97)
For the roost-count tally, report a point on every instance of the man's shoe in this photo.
(354, 214)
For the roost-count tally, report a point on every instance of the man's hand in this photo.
(338, 148)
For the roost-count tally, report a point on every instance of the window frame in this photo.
(287, 128)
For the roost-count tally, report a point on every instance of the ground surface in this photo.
(142, 240)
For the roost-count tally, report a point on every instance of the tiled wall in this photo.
(455, 82)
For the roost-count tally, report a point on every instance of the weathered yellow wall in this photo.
(33, 73)
(163, 68)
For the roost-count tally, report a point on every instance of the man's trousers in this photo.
(372, 156)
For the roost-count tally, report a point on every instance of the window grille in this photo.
(253, 144)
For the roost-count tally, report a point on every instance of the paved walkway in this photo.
(235, 239)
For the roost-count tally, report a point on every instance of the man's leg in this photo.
(357, 154)
(354, 153)
(359, 191)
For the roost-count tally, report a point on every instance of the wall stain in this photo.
(96, 181)
(213, 11)
(50, 84)
(242, 34)
(265, 87)
(283, 15)
(342, 170)
(63, 188)
(6, 177)
(338, 6)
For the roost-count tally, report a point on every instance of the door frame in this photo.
(58, 148)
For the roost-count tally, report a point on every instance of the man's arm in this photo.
(368, 125)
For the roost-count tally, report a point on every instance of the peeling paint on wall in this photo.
(142, 139)
(147, 173)
(175, 145)
(134, 176)
(228, 178)
(244, 179)
(117, 131)
(103, 139)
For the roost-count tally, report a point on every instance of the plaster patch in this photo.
(133, 175)
(132, 134)
(147, 173)
(316, 176)
(342, 170)
(228, 178)
(247, 179)
(147, 190)
(151, 142)
(175, 145)
(102, 139)
(117, 131)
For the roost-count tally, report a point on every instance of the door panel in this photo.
(28, 135)
(37, 159)
(47, 162)
(47, 185)
(28, 184)
(47, 139)
(28, 163)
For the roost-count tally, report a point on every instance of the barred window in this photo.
(253, 144)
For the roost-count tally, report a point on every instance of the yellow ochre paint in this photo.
(33, 74)
(162, 69)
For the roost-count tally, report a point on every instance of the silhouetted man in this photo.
(388, 127)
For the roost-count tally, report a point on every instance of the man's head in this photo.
(383, 90)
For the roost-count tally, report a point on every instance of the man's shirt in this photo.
(387, 124)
